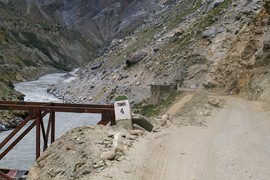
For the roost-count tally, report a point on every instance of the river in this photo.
(22, 156)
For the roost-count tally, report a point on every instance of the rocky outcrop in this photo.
(238, 69)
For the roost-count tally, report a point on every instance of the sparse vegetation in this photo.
(120, 98)
(153, 110)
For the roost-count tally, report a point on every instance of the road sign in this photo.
(192, 87)
(122, 110)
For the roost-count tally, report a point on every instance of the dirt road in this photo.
(235, 145)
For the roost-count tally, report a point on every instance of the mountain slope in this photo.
(31, 46)
(98, 21)
(220, 45)
(217, 45)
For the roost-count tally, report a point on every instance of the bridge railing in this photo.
(38, 110)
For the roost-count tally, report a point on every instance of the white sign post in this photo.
(122, 110)
(192, 87)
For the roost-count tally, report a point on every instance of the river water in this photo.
(22, 156)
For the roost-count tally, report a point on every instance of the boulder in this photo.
(2, 128)
(214, 102)
(109, 155)
(96, 66)
(217, 3)
(210, 83)
(136, 57)
(137, 132)
(142, 122)
(209, 33)
(114, 43)
(164, 119)
(156, 129)
(207, 112)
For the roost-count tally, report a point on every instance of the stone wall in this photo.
(159, 92)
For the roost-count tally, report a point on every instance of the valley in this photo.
(202, 51)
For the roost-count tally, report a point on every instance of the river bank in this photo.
(30, 91)
(10, 77)
(23, 155)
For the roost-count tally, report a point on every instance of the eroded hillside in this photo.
(218, 45)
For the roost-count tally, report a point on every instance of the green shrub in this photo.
(121, 98)
(149, 110)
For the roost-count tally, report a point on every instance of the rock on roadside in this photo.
(82, 152)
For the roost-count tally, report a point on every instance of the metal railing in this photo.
(37, 111)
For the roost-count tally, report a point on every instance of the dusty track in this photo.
(235, 145)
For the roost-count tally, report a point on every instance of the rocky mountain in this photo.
(38, 36)
(220, 45)
(98, 20)
(31, 46)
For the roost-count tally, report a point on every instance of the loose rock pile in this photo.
(83, 151)
(196, 111)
